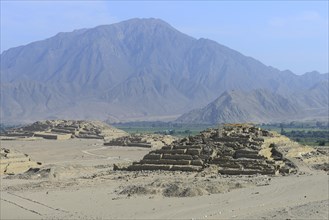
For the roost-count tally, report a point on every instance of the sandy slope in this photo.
(86, 188)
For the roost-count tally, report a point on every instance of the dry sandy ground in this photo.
(82, 185)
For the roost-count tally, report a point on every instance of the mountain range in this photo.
(145, 68)
(260, 105)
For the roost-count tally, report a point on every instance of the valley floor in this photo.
(84, 186)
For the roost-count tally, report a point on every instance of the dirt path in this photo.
(29, 208)
(94, 149)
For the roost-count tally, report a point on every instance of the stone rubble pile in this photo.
(236, 149)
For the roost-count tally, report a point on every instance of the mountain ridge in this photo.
(135, 68)
(259, 106)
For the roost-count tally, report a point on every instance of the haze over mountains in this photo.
(261, 105)
(145, 68)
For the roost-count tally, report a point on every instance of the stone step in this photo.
(247, 172)
(233, 139)
(177, 157)
(23, 134)
(139, 167)
(166, 147)
(192, 151)
(62, 131)
(187, 147)
(146, 145)
(173, 151)
(228, 164)
(89, 136)
(197, 162)
(53, 136)
(251, 156)
(186, 168)
(166, 161)
(246, 152)
(153, 156)
(258, 166)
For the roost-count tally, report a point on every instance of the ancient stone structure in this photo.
(155, 141)
(66, 129)
(132, 140)
(54, 136)
(13, 162)
(236, 149)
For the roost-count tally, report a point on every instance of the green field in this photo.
(308, 133)
(312, 133)
(162, 128)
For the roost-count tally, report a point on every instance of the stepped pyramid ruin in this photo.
(66, 129)
(13, 162)
(236, 149)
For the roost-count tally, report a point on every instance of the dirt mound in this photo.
(179, 184)
(66, 129)
(234, 148)
(13, 162)
(52, 172)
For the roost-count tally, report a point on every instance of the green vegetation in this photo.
(313, 133)
(319, 138)
(157, 127)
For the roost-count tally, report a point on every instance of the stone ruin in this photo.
(65, 129)
(142, 140)
(13, 162)
(130, 141)
(235, 149)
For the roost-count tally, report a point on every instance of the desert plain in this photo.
(76, 181)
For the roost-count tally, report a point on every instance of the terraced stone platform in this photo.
(66, 129)
(13, 162)
(131, 140)
(236, 149)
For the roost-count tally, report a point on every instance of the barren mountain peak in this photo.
(132, 69)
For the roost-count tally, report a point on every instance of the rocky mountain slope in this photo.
(262, 106)
(132, 69)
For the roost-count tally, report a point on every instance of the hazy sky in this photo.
(287, 35)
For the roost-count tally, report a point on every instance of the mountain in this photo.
(139, 68)
(261, 105)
